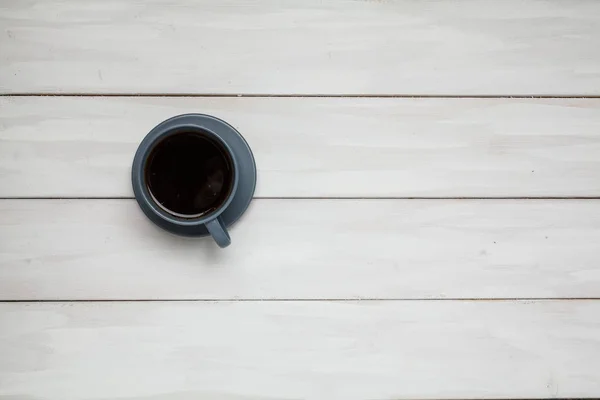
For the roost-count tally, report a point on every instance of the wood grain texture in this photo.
(305, 249)
(293, 350)
(317, 147)
(467, 47)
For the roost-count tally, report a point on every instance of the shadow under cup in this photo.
(189, 174)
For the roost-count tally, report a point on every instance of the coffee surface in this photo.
(189, 174)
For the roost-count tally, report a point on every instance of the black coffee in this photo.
(189, 174)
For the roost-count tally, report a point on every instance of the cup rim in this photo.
(170, 127)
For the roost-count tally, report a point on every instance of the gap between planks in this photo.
(325, 198)
(306, 300)
(298, 95)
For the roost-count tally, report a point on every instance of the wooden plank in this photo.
(317, 147)
(472, 47)
(305, 249)
(276, 350)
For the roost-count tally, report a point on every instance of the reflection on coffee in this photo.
(189, 174)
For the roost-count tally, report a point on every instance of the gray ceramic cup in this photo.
(216, 221)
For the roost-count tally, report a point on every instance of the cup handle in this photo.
(217, 229)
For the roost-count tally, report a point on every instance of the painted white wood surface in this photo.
(317, 147)
(305, 249)
(474, 47)
(320, 250)
(299, 350)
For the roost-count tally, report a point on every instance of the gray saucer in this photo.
(239, 148)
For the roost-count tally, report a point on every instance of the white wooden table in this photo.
(426, 222)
